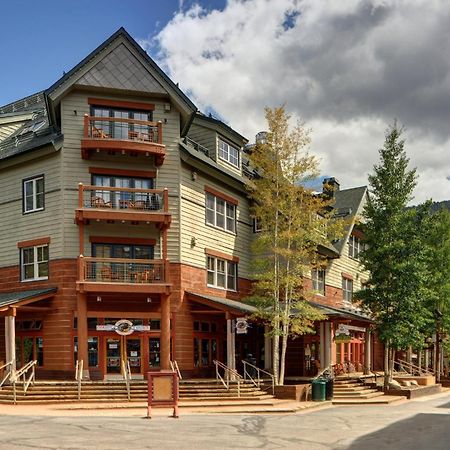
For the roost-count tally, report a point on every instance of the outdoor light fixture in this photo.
(99, 299)
(149, 300)
(194, 175)
(193, 241)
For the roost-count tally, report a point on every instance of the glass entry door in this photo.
(113, 355)
(134, 354)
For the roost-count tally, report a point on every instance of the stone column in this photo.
(322, 345)
(327, 348)
(10, 340)
(82, 333)
(165, 332)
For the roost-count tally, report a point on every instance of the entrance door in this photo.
(134, 357)
(113, 355)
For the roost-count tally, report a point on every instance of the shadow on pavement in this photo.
(421, 432)
(445, 405)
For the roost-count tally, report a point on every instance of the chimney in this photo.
(330, 186)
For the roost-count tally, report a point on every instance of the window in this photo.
(221, 273)
(347, 289)
(33, 194)
(228, 153)
(318, 280)
(257, 228)
(220, 213)
(355, 247)
(34, 263)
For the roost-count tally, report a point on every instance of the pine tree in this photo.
(395, 254)
(294, 222)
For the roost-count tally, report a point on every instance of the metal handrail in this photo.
(23, 373)
(8, 372)
(412, 367)
(229, 374)
(257, 382)
(175, 368)
(126, 370)
(79, 375)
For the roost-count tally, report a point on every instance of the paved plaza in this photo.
(418, 424)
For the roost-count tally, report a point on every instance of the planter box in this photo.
(295, 392)
(415, 392)
(421, 380)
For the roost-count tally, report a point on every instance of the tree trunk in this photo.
(276, 352)
(419, 360)
(284, 341)
(391, 364)
(386, 366)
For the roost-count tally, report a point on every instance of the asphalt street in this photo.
(420, 424)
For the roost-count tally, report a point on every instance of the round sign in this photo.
(124, 327)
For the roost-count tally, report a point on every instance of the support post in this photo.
(327, 346)
(10, 340)
(367, 352)
(165, 332)
(267, 349)
(229, 342)
(322, 345)
(233, 344)
(82, 333)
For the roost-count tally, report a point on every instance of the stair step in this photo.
(380, 400)
(349, 396)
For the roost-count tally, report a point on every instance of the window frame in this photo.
(35, 263)
(227, 152)
(347, 294)
(355, 246)
(318, 282)
(230, 272)
(33, 180)
(223, 215)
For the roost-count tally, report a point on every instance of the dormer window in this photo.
(228, 153)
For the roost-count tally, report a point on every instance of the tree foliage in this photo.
(294, 222)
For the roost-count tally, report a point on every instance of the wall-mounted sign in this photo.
(342, 334)
(241, 325)
(123, 327)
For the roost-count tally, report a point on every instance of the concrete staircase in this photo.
(356, 392)
(193, 393)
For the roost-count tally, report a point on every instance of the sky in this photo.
(347, 68)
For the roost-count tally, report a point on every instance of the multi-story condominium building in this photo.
(125, 231)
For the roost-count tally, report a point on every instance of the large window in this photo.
(122, 251)
(355, 247)
(34, 262)
(318, 280)
(228, 153)
(222, 273)
(33, 194)
(347, 289)
(220, 213)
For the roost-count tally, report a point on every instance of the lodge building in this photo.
(126, 233)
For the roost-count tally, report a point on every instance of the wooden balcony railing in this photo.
(149, 200)
(123, 270)
(121, 134)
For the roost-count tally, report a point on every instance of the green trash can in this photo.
(318, 390)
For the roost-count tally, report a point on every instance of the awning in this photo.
(21, 298)
(223, 304)
(346, 313)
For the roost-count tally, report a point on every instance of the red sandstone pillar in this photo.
(82, 333)
(165, 332)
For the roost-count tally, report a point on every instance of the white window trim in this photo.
(35, 264)
(33, 182)
(228, 160)
(316, 280)
(214, 285)
(224, 228)
(345, 289)
(355, 247)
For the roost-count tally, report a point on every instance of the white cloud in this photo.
(347, 67)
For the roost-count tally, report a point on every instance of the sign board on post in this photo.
(162, 391)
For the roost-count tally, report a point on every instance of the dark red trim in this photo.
(221, 195)
(123, 172)
(121, 104)
(217, 254)
(120, 240)
(34, 242)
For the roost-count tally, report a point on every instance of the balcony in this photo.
(122, 204)
(123, 275)
(122, 136)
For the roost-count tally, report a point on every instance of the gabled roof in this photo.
(348, 205)
(16, 298)
(223, 304)
(219, 126)
(69, 78)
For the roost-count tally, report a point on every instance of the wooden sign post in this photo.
(162, 391)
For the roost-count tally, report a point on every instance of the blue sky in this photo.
(41, 39)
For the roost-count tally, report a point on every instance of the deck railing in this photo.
(112, 198)
(116, 128)
(123, 270)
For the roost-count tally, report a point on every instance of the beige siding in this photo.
(18, 227)
(193, 224)
(206, 137)
(8, 129)
(76, 170)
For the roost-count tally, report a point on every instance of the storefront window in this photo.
(154, 352)
(93, 351)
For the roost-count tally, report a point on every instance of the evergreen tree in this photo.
(395, 254)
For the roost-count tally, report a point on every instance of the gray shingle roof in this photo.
(11, 298)
(348, 313)
(230, 304)
(348, 202)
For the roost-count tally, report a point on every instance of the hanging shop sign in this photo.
(124, 327)
(342, 333)
(241, 325)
